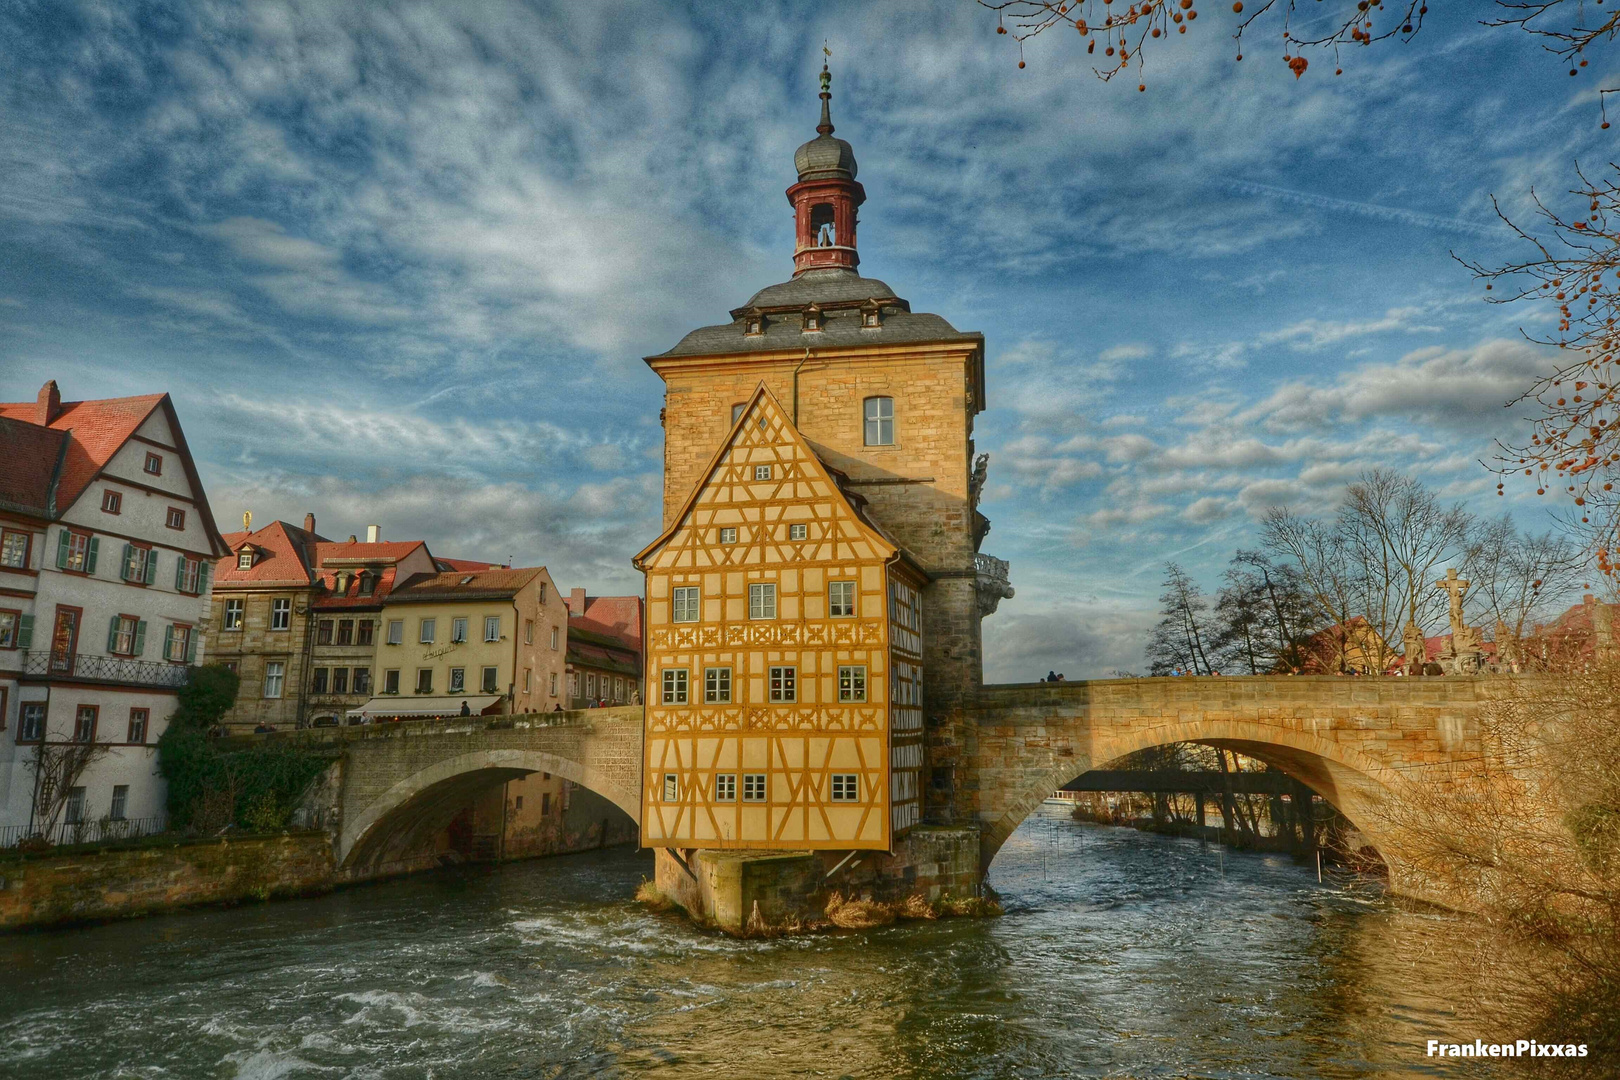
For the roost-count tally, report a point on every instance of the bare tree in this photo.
(1263, 618)
(57, 768)
(1518, 580)
(1320, 555)
(1178, 642)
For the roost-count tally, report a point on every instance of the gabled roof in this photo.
(34, 457)
(764, 411)
(284, 555)
(94, 431)
(389, 551)
(466, 585)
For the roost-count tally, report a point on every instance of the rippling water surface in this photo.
(1121, 955)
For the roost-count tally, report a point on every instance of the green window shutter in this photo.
(123, 567)
(112, 635)
(25, 632)
(62, 549)
(202, 576)
(179, 573)
(151, 567)
(140, 637)
(191, 646)
(168, 641)
(90, 558)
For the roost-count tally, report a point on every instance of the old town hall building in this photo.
(817, 589)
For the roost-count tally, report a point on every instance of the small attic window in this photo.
(368, 583)
(871, 315)
(467, 580)
(753, 323)
(812, 318)
(244, 559)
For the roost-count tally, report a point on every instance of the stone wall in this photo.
(53, 889)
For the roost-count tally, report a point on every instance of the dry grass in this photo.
(858, 914)
(915, 907)
(650, 896)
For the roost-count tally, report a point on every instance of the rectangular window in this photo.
(75, 806)
(424, 680)
(396, 631)
(879, 421)
(554, 637)
(176, 518)
(725, 787)
(675, 686)
(14, 549)
(492, 628)
(716, 685)
(528, 678)
(618, 689)
(458, 630)
(762, 472)
(317, 681)
(120, 800)
(762, 600)
(340, 680)
(753, 787)
(363, 632)
(528, 631)
(177, 648)
(8, 633)
(852, 683)
(125, 628)
(545, 802)
(458, 680)
(31, 722)
(490, 677)
(798, 532)
(136, 561)
(244, 559)
(846, 787)
(274, 671)
(73, 553)
(553, 684)
(428, 627)
(784, 684)
(111, 501)
(280, 614)
(362, 680)
(391, 681)
(841, 599)
(188, 575)
(323, 632)
(590, 686)
(233, 614)
(84, 724)
(154, 464)
(671, 787)
(684, 604)
(138, 719)
(345, 630)
(728, 535)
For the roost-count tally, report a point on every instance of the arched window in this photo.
(879, 421)
(823, 228)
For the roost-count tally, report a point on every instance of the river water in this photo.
(1121, 955)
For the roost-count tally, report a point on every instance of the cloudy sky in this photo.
(398, 262)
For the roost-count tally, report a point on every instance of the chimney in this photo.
(373, 534)
(309, 524)
(576, 601)
(48, 406)
(353, 539)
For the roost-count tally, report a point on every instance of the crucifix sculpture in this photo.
(1456, 587)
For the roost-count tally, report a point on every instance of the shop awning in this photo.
(397, 705)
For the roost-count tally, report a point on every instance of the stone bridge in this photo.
(1356, 742)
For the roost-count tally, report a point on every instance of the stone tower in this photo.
(884, 395)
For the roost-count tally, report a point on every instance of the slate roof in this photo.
(827, 288)
(495, 584)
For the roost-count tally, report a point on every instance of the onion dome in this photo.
(825, 157)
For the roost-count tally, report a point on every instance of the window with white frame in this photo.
(762, 600)
(390, 680)
(9, 623)
(879, 421)
(671, 787)
(798, 532)
(716, 686)
(233, 614)
(340, 680)
(492, 628)
(154, 464)
(280, 614)
(244, 559)
(31, 721)
(396, 631)
(753, 787)
(137, 561)
(14, 550)
(188, 575)
(554, 636)
(274, 673)
(424, 680)
(846, 787)
(762, 472)
(139, 722)
(728, 535)
(684, 603)
(784, 684)
(75, 806)
(674, 686)
(458, 631)
(120, 802)
(852, 682)
(175, 518)
(177, 643)
(426, 631)
(112, 502)
(84, 723)
(317, 681)
(553, 684)
(725, 787)
(121, 641)
(841, 599)
(528, 631)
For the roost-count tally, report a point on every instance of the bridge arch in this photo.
(406, 814)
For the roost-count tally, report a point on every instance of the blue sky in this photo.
(398, 263)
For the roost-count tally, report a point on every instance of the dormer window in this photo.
(244, 559)
(753, 323)
(368, 583)
(871, 315)
(812, 318)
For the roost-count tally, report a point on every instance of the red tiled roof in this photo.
(464, 564)
(467, 584)
(283, 557)
(99, 428)
(351, 597)
(359, 549)
(615, 616)
(33, 455)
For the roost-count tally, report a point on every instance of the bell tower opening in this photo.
(826, 197)
(823, 225)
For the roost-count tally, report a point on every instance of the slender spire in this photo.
(826, 125)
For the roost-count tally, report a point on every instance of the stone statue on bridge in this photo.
(1463, 655)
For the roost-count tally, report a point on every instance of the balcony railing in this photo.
(990, 567)
(100, 831)
(107, 669)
